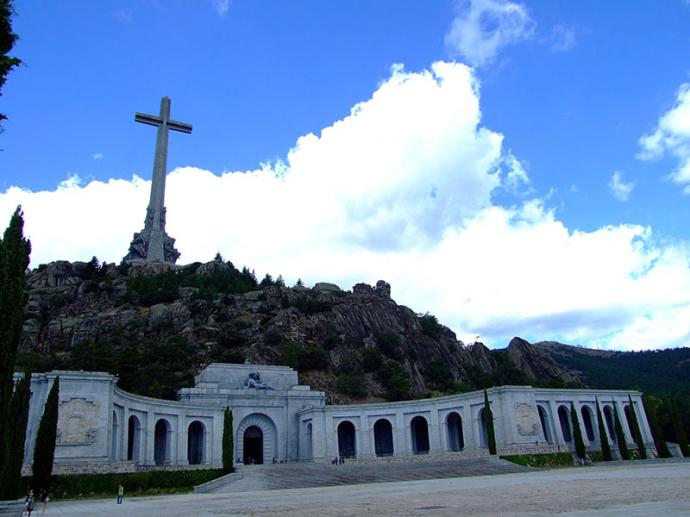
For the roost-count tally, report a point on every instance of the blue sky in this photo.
(536, 190)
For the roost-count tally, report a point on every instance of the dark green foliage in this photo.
(430, 325)
(94, 270)
(603, 438)
(291, 355)
(620, 436)
(490, 433)
(303, 357)
(637, 434)
(309, 306)
(372, 360)
(558, 459)
(44, 450)
(93, 356)
(395, 380)
(577, 433)
(678, 427)
(7, 40)
(439, 376)
(266, 282)
(505, 373)
(331, 342)
(10, 473)
(152, 482)
(352, 384)
(14, 259)
(651, 406)
(228, 446)
(389, 344)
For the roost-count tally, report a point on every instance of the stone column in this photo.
(434, 432)
(467, 428)
(401, 446)
(149, 436)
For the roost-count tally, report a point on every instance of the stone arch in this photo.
(347, 441)
(114, 454)
(544, 420)
(162, 442)
(308, 442)
(628, 418)
(419, 429)
(610, 426)
(134, 439)
(588, 423)
(483, 429)
(564, 420)
(268, 435)
(383, 437)
(196, 443)
(456, 438)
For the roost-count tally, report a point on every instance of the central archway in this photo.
(383, 438)
(195, 443)
(456, 440)
(253, 446)
(420, 435)
(347, 447)
(268, 442)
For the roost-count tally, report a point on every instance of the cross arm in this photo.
(179, 126)
(147, 119)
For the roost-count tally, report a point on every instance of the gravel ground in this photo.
(633, 489)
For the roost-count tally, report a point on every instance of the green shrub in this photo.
(430, 325)
(352, 384)
(559, 459)
(395, 380)
(372, 360)
(438, 374)
(389, 344)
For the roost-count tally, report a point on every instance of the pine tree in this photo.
(620, 437)
(489, 416)
(44, 450)
(19, 417)
(603, 438)
(228, 447)
(14, 259)
(577, 433)
(651, 407)
(678, 427)
(636, 432)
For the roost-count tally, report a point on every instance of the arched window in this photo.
(420, 435)
(133, 439)
(588, 422)
(564, 419)
(610, 426)
(308, 443)
(347, 447)
(629, 418)
(383, 438)
(161, 442)
(456, 439)
(196, 443)
(114, 454)
(544, 420)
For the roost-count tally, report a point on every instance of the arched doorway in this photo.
(456, 439)
(544, 420)
(133, 439)
(195, 443)
(420, 435)
(253, 441)
(610, 426)
(383, 437)
(308, 450)
(347, 447)
(564, 419)
(116, 436)
(268, 438)
(161, 442)
(588, 422)
(483, 429)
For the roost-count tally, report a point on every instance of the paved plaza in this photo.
(630, 489)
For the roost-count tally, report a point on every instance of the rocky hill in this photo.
(157, 326)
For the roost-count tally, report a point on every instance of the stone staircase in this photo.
(250, 478)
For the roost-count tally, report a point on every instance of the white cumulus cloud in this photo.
(672, 136)
(401, 190)
(620, 189)
(483, 27)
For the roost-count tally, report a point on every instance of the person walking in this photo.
(29, 503)
(120, 494)
(43, 496)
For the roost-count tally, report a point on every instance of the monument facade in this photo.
(102, 428)
(153, 244)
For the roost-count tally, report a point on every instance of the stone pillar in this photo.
(365, 432)
(467, 428)
(180, 444)
(401, 445)
(434, 432)
(149, 435)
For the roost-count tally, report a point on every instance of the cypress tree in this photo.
(651, 406)
(636, 432)
(489, 417)
(44, 450)
(14, 259)
(19, 417)
(603, 438)
(577, 433)
(228, 446)
(681, 436)
(620, 437)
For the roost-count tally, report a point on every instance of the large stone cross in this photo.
(152, 243)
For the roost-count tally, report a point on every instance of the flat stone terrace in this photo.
(278, 477)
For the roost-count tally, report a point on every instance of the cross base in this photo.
(152, 245)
